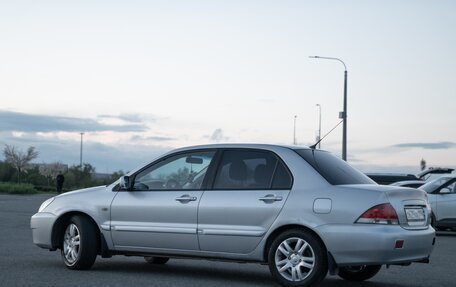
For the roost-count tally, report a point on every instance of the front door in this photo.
(446, 204)
(161, 210)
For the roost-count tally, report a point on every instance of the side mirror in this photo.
(445, 190)
(125, 183)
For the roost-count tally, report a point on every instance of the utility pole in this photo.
(294, 130)
(342, 115)
(319, 125)
(80, 154)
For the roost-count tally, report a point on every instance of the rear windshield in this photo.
(332, 168)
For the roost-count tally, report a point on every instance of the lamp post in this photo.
(319, 125)
(342, 115)
(80, 154)
(294, 130)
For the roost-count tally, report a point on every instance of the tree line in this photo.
(17, 168)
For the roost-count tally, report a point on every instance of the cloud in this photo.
(437, 145)
(152, 138)
(14, 121)
(217, 136)
(133, 118)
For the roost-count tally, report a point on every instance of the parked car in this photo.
(301, 211)
(389, 178)
(409, 183)
(442, 197)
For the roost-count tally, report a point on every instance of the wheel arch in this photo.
(59, 226)
(284, 228)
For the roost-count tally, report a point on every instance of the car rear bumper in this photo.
(366, 244)
(41, 224)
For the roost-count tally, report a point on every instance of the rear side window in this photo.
(282, 178)
(250, 169)
(332, 168)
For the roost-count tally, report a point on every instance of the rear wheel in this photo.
(79, 243)
(297, 258)
(156, 260)
(359, 273)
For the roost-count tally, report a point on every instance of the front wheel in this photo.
(359, 273)
(79, 245)
(297, 258)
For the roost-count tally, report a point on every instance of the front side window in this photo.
(182, 171)
(451, 188)
(249, 169)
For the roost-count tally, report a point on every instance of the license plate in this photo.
(414, 214)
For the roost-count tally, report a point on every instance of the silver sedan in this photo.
(302, 211)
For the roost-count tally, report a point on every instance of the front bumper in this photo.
(41, 224)
(368, 244)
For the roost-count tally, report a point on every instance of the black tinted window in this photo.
(243, 169)
(332, 168)
(282, 178)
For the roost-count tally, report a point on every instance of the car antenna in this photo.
(315, 145)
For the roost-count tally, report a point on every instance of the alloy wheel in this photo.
(71, 243)
(294, 259)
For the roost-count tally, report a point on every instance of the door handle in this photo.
(270, 198)
(186, 198)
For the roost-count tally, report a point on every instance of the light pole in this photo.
(342, 115)
(80, 154)
(319, 125)
(294, 130)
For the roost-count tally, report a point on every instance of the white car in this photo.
(442, 197)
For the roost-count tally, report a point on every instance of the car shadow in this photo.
(185, 272)
(235, 274)
(446, 233)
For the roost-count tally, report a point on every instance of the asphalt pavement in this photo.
(24, 264)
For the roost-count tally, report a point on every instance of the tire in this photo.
(156, 260)
(79, 243)
(359, 273)
(300, 256)
(433, 222)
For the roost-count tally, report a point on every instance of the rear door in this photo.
(250, 188)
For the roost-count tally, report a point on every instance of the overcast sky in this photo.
(143, 77)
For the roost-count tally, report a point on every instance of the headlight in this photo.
(45, 204)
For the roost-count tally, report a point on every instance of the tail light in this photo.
(379, 214)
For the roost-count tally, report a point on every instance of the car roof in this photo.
(241, 145)
(435, 170)
(271, 147)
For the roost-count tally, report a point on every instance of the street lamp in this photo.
(80, 154)
(342, 115)
(294, 130)
(319, 126)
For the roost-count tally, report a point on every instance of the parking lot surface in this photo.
(24, 264)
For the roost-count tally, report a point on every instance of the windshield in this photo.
(432, 186)
(332, 168)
